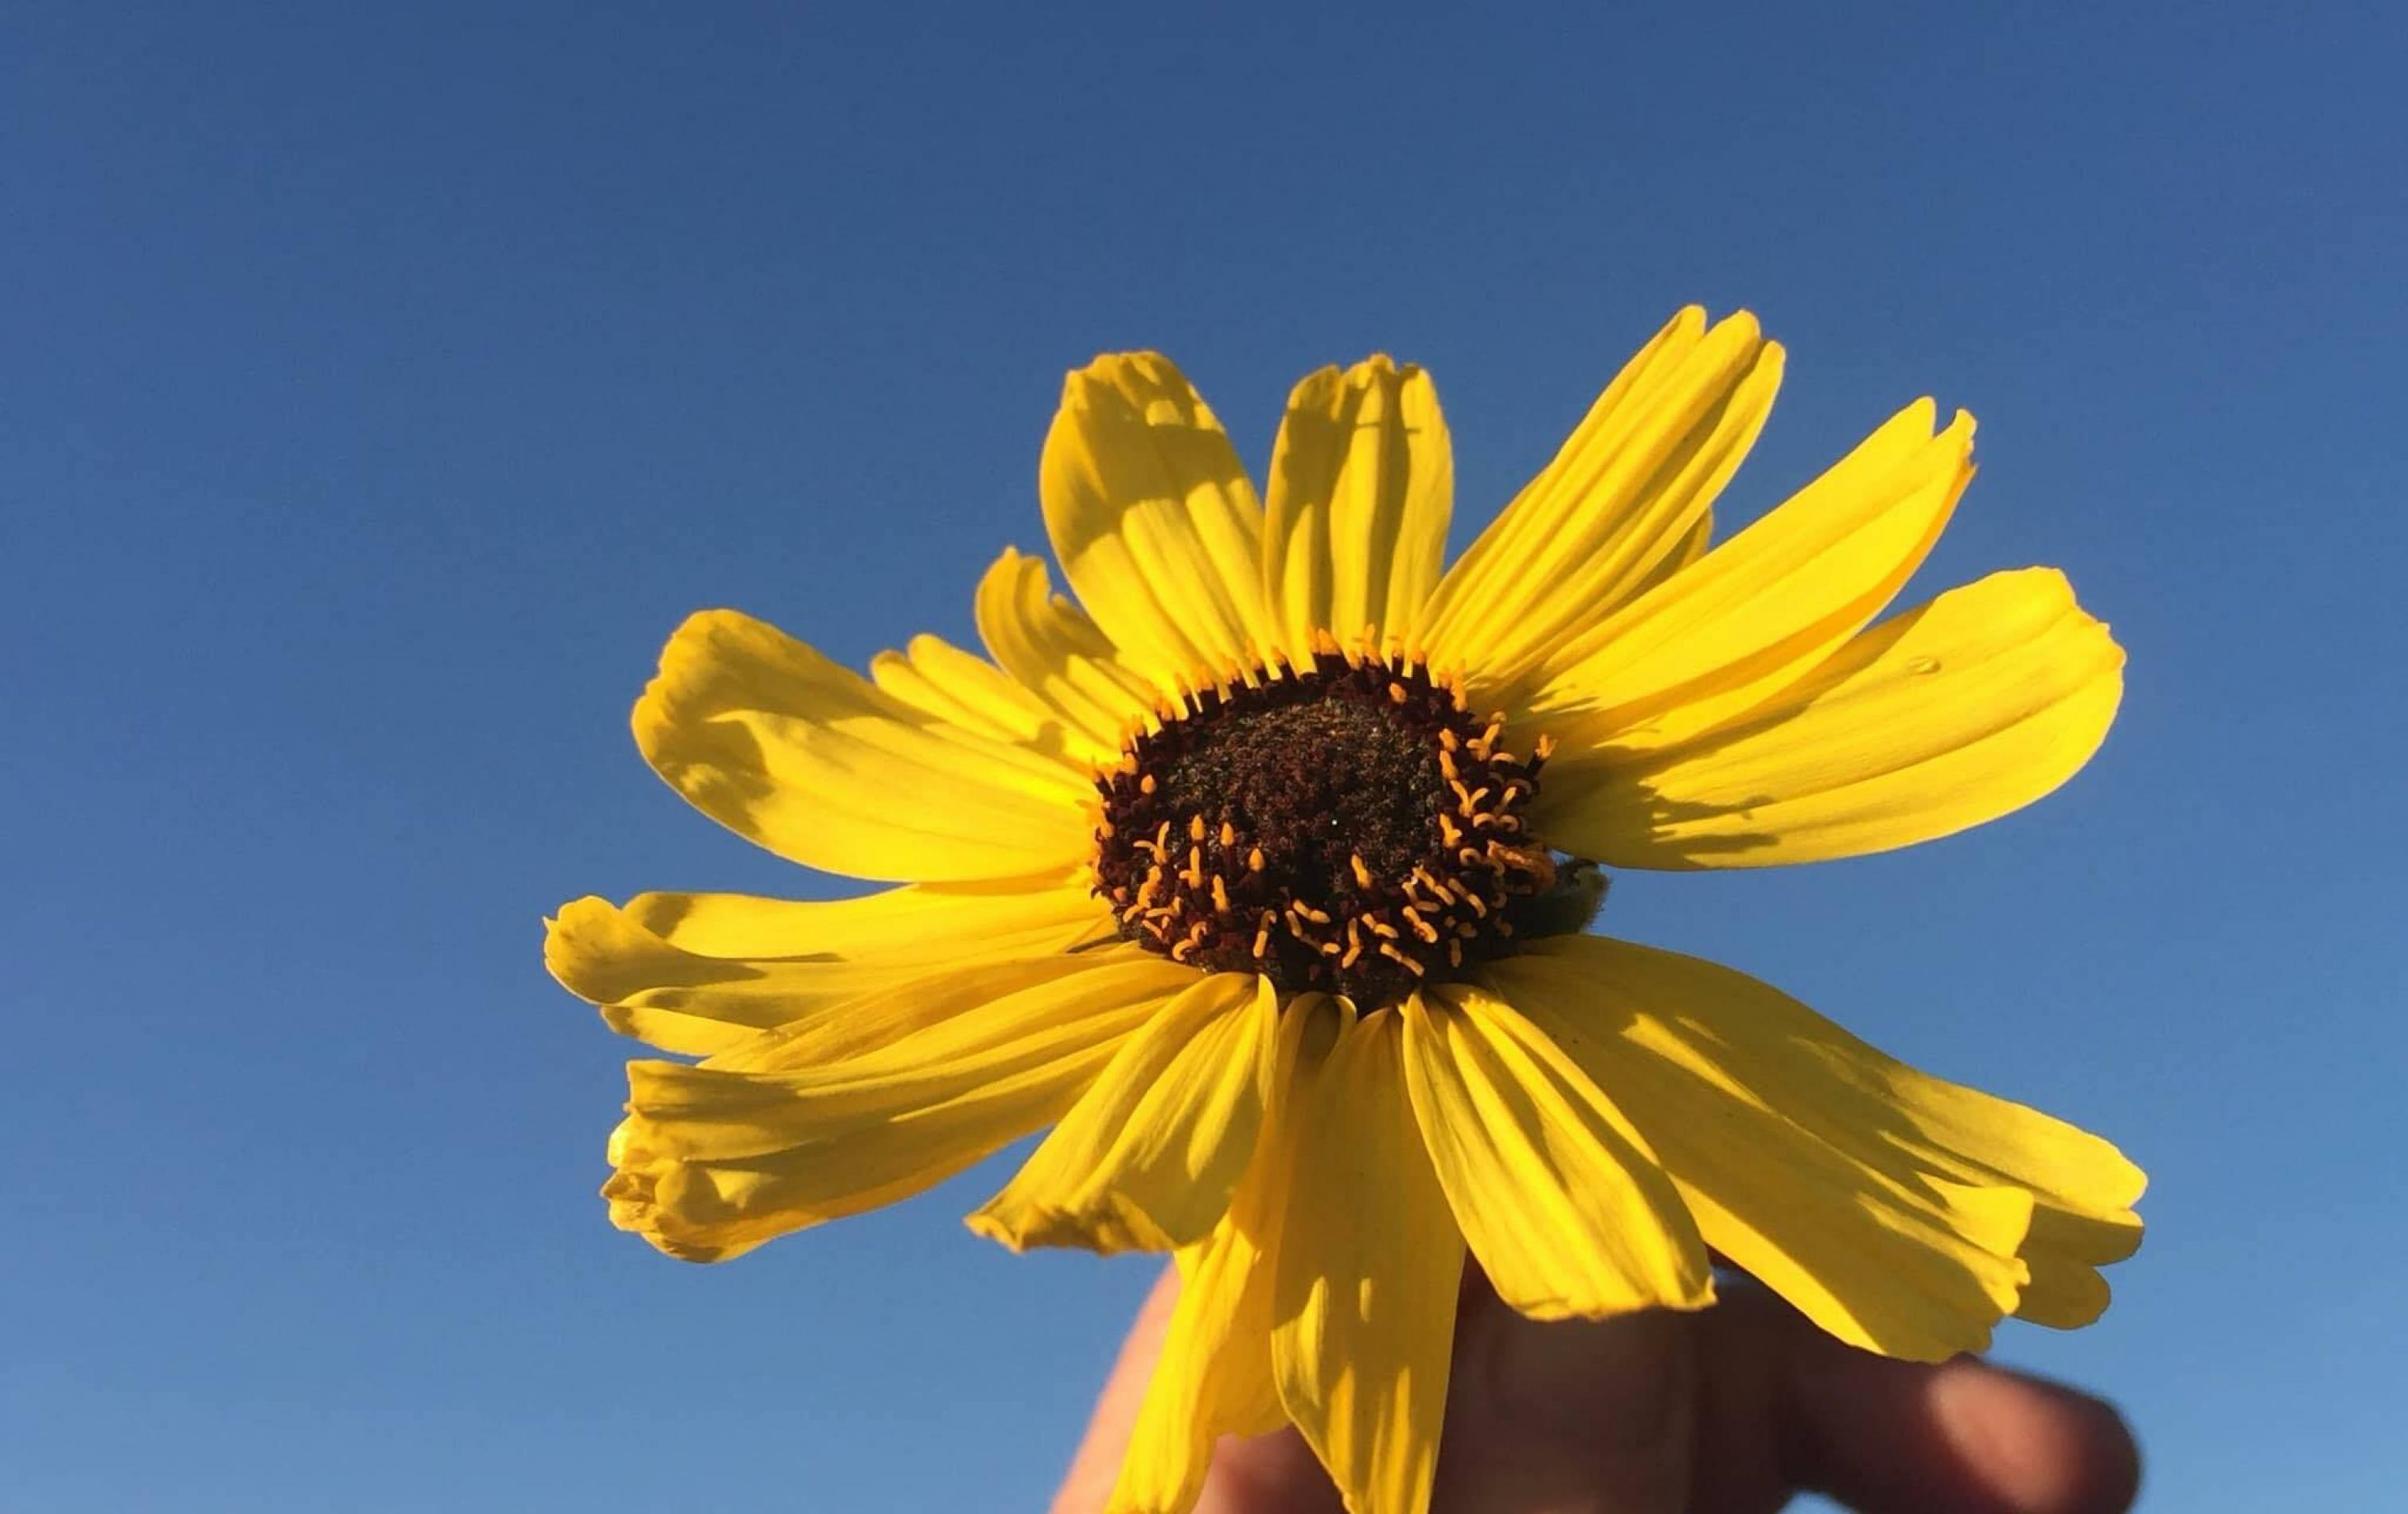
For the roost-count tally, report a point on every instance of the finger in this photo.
(1572, 1418)
(1723, 1412)
(1731, 1410)
(1900, 1438)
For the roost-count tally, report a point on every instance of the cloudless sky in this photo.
(379, 385)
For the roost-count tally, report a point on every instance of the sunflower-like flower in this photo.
(1261, 873)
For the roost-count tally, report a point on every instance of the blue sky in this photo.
(379, 389)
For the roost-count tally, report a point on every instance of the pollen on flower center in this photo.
(1352, 828)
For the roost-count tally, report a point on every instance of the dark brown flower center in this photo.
(1354, 829)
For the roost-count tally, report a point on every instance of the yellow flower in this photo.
(1260, 873)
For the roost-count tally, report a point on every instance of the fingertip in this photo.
(1903, 1437)
(2036, 1447)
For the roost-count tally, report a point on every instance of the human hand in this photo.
(1728, 1411)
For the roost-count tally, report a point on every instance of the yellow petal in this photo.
(1155, 521)
(1213, 1378)
(629, 1194)
(1953, 714)
(1909, 1124)
(856, 1027)
(1764, 609)
(1362, 483)
(790, 751)
(779, 961)
(1224, 1312)
(1892, 1207)
(1146, 1160)
(927, 921)
(716, 1159)
(1627, 491)
(966, 690)
(1365, 1279)
(1693, 548)
(1049, 645)
(1560, 1199)
(2065, 1252)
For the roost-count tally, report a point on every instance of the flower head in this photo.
(1261, 871)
